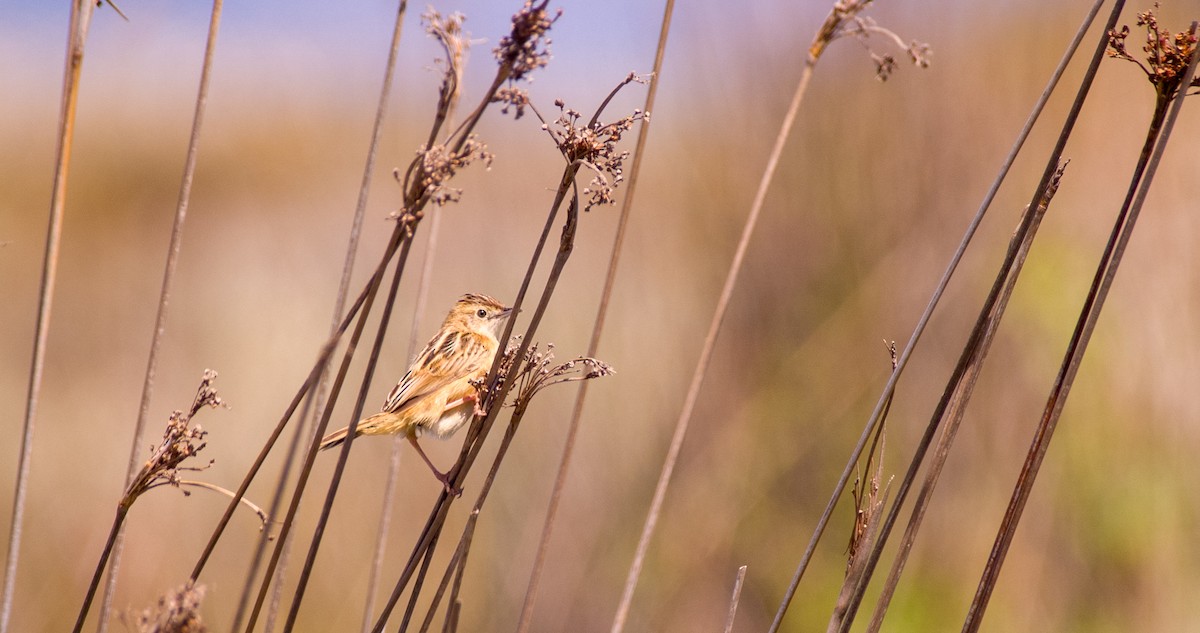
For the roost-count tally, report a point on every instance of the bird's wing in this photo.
(450, 356)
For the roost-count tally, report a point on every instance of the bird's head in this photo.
(480, 313)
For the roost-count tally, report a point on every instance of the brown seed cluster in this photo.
(862, 28)
(1167, 53)
(180, 442)
(512, 98)
(594, 145)
(537, 371)
(526, 48)
(439, 164)
(178, 611)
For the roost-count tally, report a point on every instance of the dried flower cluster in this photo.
(180, 441)
(448, 31)
(595, 146)
(845, 20)
(438, 164)
(512, 98)
(177, 611)
(527, 48)
(1167, 54)
(537, 373)
(862, 28)
(425, 179)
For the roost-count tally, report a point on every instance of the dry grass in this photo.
(855, 215)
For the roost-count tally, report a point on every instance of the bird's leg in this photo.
(442, 477)
(473, 398)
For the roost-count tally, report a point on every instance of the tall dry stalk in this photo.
(164, 297)
(525, 619)
(180, 442)
(1172, 69)
(77, 32)
(304, 431)
(889, 388)
(949, 413)
(530, 374)
(835, 25)
(735, 598)
(454, 42)
(587, 145)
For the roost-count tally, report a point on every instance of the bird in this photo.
(437, 394)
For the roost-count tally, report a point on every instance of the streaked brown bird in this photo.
(436, 394)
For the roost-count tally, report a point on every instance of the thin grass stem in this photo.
(399, 442)
(735, 598)
(457, 562)
(453, 569)
(113, 533)
(340, 466)
(398, 241)
(426, 562)
(309, 384)
(77, 32)
(950, 412)
(454, 609)
(260, 545)
(923, 321)
(424, 542)
(262, 514)
(952, 393)
(1157, 137)
(160, 319)
(560, 479)
(693, 393)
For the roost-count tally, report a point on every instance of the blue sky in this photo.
(298, 42)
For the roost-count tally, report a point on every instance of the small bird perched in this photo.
(436, 394)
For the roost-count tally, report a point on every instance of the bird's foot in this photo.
(448, 484)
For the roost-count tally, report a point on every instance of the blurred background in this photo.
(874, 191)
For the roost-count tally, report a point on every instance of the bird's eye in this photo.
(481, 313)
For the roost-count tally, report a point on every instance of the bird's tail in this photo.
(378, 424)
(336, 438)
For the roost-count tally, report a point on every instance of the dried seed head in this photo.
(594, 145)
(514, 98)
(526, 48)
(448, 31)
(537, 371)
(434, 168)
(846, 21)
(1167, 53)
(177, 611)
(180, 442)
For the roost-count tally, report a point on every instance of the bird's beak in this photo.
(503, 313)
